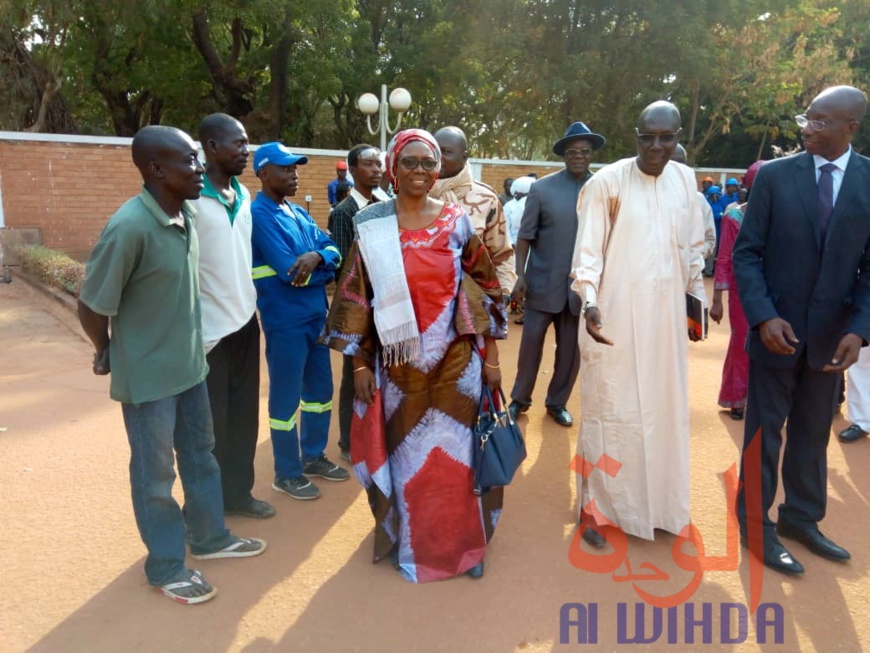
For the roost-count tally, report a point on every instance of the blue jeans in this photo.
(181, 422)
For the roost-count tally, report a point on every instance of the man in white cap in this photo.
(513, 210)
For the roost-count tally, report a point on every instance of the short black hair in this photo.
(356, 150)
(215, 125)
(342, 190)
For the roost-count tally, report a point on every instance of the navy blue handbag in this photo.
(498, 445)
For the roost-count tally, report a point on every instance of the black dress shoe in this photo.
(813, 539)
(476, 571)
(593, 538)
(851, 434)
(736, 414)
(516, 408)
(776, 556)
(561, 415)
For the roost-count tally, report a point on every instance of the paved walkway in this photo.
(71, 560)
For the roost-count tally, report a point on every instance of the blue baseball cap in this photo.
(276, 154)
(732, 182)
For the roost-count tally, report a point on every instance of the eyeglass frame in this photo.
(418, 163)
(812, 124)
(581, 152)
(664, 139)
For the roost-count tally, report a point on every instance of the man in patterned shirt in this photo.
(456, 184)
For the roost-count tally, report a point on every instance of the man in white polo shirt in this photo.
(229, 303)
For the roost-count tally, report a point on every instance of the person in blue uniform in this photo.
(293, 260)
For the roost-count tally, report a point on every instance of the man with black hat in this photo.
(544, 249)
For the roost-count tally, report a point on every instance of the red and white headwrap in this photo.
(400, 140)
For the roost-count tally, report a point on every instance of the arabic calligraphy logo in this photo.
(696, 562)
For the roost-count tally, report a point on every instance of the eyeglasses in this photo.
(574, 153)
(410, 163)
(664, 139)
(816, 125)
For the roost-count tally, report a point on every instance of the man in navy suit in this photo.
(802, 262)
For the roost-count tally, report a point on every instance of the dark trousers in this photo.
(234, 394)
(345, 403)
(804, 397)
(567, 364)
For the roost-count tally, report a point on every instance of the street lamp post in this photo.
(400, 100)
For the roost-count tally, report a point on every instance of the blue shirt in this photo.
(332, 187)
(728, 198)
(281, 233)
(718, 206)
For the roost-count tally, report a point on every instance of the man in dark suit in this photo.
(544, 250)
(802, 262)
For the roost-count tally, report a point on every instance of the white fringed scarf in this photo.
(378, 229)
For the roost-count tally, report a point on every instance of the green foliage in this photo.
(53, 268)
(513, 73)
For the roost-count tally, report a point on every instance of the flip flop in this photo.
(175, 590)
(242, 547)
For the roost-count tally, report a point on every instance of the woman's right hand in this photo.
(364, 385)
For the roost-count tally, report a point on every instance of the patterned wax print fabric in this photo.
(735, 370)
(411, 449)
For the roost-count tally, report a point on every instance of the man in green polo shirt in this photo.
(142, 277)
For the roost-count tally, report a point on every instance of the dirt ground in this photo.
(71, 575)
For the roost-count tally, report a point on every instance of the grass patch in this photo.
(53, 268)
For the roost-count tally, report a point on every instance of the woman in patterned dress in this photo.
(419, 307)
(735, 370)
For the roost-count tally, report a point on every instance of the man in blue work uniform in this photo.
(293, 260)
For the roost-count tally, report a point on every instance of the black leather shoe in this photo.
(736, 414)
(516, 408)
(813, 539)
(776, 556)
(593, 538)
(476, 571)
(561, 415)
(851, 434)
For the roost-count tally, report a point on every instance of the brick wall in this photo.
(495, 174)
(69, 190)
(67, 187)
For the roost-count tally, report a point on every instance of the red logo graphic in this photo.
(696, 562)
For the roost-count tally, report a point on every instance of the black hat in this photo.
(579, 130)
